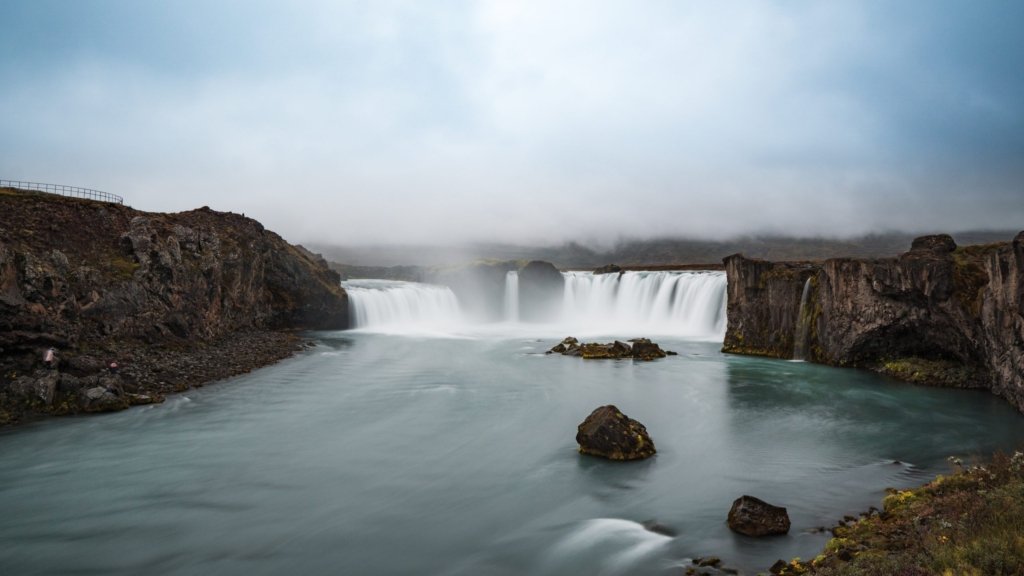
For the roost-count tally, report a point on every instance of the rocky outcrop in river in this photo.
(755, 517)
(610, 434)
(938, 314)
(636, 349)
(102, 281)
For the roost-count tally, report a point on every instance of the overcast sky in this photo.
(526, 121)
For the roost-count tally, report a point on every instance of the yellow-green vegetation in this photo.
(122, 268)
(969, 523)
(929, 372)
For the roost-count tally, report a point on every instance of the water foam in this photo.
(609, 545)
(395, 306)
(682, 304)
(689, 304)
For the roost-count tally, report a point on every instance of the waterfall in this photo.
(803, 323)
(631, 304)
(679, 303)
(394, 305)
(512, 296)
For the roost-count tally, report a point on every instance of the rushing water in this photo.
(803, 324)
(681, 303)
(400, 306)
(511, 296)
(687, 304)
(383, 454)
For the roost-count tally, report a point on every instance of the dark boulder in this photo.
(656, 527)
(593, 350)
(566, 346)
(755, 517)
(540, 291)
(644, 349)
(37, 389)
(937, 243)
(609, 433)
(608, 269)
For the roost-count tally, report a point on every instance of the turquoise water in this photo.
(382, 454)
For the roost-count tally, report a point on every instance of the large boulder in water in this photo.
(644, 349)
(609, 433)
(755, 517)
(540, 291)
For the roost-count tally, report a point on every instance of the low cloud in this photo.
(528, 122)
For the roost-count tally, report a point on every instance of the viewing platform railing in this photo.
(63, 190)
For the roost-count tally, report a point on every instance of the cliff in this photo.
(100, 281)
(938, 314)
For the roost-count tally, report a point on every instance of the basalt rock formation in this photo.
(755, 517)
(100, 281)
(541, 286)
(637, 349)
(609, 433)
(480, 288)
(938, 314)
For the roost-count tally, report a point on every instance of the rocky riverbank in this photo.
(176, 300)
(85, 383)
(970, 522)
(939, 314)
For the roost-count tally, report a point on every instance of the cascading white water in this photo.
(803, 324)
(688, 304)
(512, 296)
(685, 304)
(397, 306)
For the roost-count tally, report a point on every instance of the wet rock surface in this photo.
(754, 517)
(608, 433)
(637, 349)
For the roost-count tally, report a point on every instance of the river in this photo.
(453, 453)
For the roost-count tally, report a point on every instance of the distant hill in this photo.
(663, 251)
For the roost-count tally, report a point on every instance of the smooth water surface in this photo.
(380, 454)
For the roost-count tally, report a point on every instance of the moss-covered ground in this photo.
(968, 523)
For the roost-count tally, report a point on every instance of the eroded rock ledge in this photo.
(938, 314)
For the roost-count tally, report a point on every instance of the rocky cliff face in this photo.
(540, 291)
(90, 277)
(480, 288)
(938, 314)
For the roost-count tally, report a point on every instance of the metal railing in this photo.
(63, 190)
